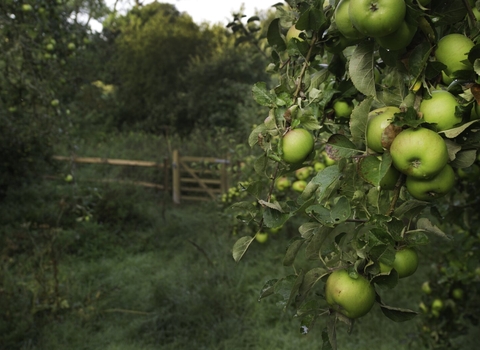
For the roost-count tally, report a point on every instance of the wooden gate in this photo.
(198, 178)
(193, 178)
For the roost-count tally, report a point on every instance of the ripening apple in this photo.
(297, 144)
(261, 237)
(318, 166)
(377, 18)
(299, 185)
(400, 38)
(406, 262)
(27, 8)
(303, 173)
(294, 33)
(419, 152)
(352, 296)
(452, 50)
(378, 120)
(440, 110)
(344, 23)
(327, 160)
(432, 188)
(343, 108)
(69, 178)
(55, 103)
(282, 183)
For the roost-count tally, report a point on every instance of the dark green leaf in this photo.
(268, 289)
(292, 251)
(339, 146)
(359, 119)
(274, 36)
(397, 314)
(361, 68)
(262, 96)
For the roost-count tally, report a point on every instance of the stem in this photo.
(305, 66)
(396, 195)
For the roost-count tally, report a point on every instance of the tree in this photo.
(347, 220)
(38, 50)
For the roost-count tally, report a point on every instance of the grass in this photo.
(153, 281)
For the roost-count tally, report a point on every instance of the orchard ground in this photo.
(145, 274)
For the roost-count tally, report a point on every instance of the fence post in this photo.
(224, 176)
(176, 177)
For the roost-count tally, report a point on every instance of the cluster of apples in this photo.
(419, 153)
(383, 20)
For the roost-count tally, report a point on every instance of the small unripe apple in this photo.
(261, 237)
(69, 178)
(55, 103)
(27, 8)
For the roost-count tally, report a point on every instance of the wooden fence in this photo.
(192, 178)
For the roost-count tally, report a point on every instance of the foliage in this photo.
(38, 52)
(348, 220)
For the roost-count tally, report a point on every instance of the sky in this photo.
(213, 11)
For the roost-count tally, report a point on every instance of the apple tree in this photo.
(367, 86)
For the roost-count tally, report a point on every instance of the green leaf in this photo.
(311, 278)
(369, 169)
(464, 159)
(326, 178)
(452, 133)
(341, 211)
(359, 119)
(240, 247)
(418, 59)
(312, 19)
(426, 225)
(274, 37)
(339, 146)
(313, 248)
(409, 209)
(386, 281)
(274, 218)
(308, 229)
(361, 68)
(398, 314)
(262, 96)
(260, 164)
(254, 135)
(268, 289)
(292, 251)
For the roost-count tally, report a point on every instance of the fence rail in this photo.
(192, 178)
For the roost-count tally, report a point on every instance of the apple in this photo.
(437, 304)
(299, 185)
(69, 178)
(27, 8)
(406, 262)
(432, 188)
(71, 46)
(440, 110)
(378, 120)
(318, 166)
(294, 33)
(426, 288)
(261, 237)
(342, 108)
(452, 50)
(303, 173)
(471, 173)
(344, 23)
(282, 183)
(49, 47)
(457, 293)
(419, 152)
(351, 296)
(399, 39)
(327, 160)
(297, 144)
(377, 18)
(55, 102)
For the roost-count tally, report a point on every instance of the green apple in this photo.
(435, 187)
(344, 23)
(342, 108)
(378, 120)
(406, 262)
(303, 173)
(294, 33)
(299, 185)
(452, 50)
(426, 288)
(419, 152)
(390, 179)
(437, 304)
(71, 46)
(27, 8)
(351, 296)
(318, 166)
(384, 268)
(400, 38)
(55, 102)
(50, 47)
(69, 178)
(327, 160)
(297, 144)
(440, 110)
(261, 237)
(377, 18)
(282, 183)
(457, 293)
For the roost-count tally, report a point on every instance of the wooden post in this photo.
(166, 175)
(176, 177)
(224, 176)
